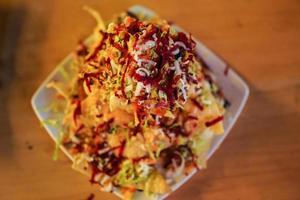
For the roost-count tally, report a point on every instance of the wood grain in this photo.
(260, 160)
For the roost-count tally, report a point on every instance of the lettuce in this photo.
(133, 174)
(200, 146)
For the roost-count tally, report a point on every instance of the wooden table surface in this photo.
(260, 159)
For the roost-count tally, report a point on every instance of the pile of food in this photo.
(140, 108)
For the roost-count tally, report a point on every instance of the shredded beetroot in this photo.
(177, 130)
(189, 43)
(190, 117)
(162, 62)
(111, 162)
(190, 58)
(92, 75)
(105, 126)
(137, 129)
(214, 121)
(77, 110)
(150, 33)
(137, 160)
(79, 129)
(99, 116)
(193, 43)
(95, 170)
(88, 79)
(87, 82)
(80, 92)
(78, 148)
(119, 47)
(160, 108)
(112, 166)
(121, 149)
(197, 104)
(134, 27)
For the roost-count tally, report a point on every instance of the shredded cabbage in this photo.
(132, 174)
(200, 146)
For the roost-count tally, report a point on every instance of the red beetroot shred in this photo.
(197, 104)
(77, 110)
(161, 78)
(121, 149)
(105, 126)
(214, 121)
(88, 79)
(95, 170)
(137, 160)
(79, 129)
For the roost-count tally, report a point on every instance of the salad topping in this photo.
(140, 108)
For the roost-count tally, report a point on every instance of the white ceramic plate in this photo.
(232, 85)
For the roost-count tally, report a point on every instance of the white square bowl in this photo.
(232, 85)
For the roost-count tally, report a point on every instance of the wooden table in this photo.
(260, 160)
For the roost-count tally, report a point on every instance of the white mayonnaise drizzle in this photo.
(139, 88)
(142, 71)
(183, 81)
(181, 44)
(148, 88)
(154, 37)
(148, 45)
(140, 49)
(176, 51)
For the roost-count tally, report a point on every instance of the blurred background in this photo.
(259, 160)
